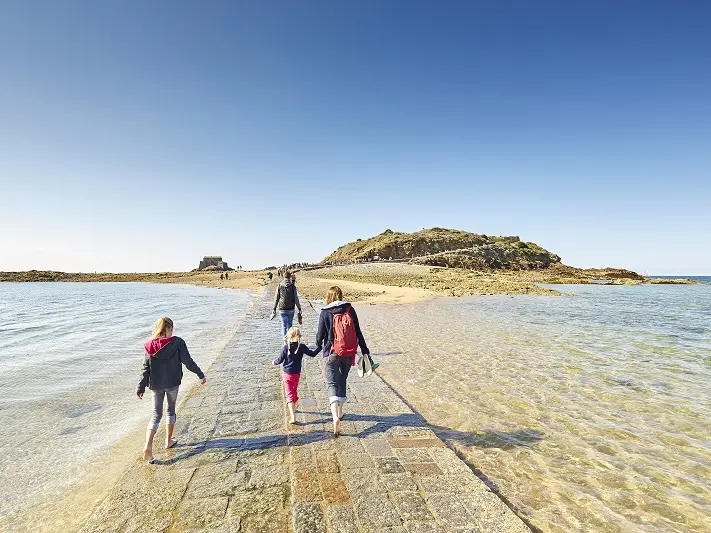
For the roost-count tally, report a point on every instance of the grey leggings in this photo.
(337, 369)
(172, 395)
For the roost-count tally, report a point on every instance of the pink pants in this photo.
(291, 383)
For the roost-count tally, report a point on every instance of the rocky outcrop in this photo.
(498, 255)
(448, 248)
(395, 245)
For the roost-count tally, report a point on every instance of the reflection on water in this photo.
(590, 413)
(71, 358)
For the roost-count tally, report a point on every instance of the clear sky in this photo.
(142, 135)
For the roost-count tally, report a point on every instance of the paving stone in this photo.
(348, 444)
(389, 465)
(268, 476)
(199, 513)
(415, 443)
(230, 524)
(145, 524)
(455, 484)
(377, 511)
(230, 425)
(412, 506)
(424, 527)
(491, 514)
(448, 461)
(341, 519)
(261, 414)
(301, 455)
(306, 485)
(378, 447)
(265, 441)
(399, 482)
(217, 486)
(213, 400)
(423, 469)
(351, 461)
(265, 523)
(327, 462)
(334, 489)
(415, 455)
(449, 511)
(362, 484)
(269, 501)
(308, 518)
(193, 402)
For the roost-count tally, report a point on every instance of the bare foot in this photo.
(292, 421)
(336, 428)
(172, 442)
(148, 456)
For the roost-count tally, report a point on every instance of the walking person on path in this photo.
(162, 374)
(286, 300)
(340, 335)
(290, 359)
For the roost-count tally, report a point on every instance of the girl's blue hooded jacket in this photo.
(292, 355)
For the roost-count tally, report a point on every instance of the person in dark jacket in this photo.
(337, 365)
(286, 300)
(162, 374)
(290, 359)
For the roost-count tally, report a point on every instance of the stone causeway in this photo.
(239, 467)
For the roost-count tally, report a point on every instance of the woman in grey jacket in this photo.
(162, 373)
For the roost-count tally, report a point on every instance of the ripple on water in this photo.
(590, 413)
(73, 352)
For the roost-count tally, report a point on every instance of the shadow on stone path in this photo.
(239, 467)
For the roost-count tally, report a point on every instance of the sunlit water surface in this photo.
(71, 359)
(590, 412)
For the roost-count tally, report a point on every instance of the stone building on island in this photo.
(213, 262)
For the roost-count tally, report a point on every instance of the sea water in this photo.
(70, 361)
(588, 412)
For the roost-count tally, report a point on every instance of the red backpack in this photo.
(345, 340)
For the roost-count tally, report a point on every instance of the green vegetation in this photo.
(448, 248)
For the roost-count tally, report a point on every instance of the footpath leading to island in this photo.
(239, 468)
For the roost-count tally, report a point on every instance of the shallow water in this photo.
(589, 413)
(71, 360)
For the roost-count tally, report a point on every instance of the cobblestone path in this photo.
(239, 468)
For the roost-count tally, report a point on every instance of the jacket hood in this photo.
(337, 306)
(293, 346)
(161, 348)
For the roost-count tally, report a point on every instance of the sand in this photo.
(405, 283)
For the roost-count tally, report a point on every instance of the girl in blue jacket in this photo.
(290, 359)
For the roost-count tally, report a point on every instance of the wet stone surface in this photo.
(239, 467)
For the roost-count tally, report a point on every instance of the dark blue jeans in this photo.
(287, 319)
(337, 369)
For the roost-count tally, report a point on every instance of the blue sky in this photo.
(140, 136)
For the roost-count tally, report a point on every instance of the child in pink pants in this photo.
(291, 355)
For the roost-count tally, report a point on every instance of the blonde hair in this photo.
(162, 326)
(334, 294)
(293, 334)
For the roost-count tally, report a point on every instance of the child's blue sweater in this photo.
(292, 355)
